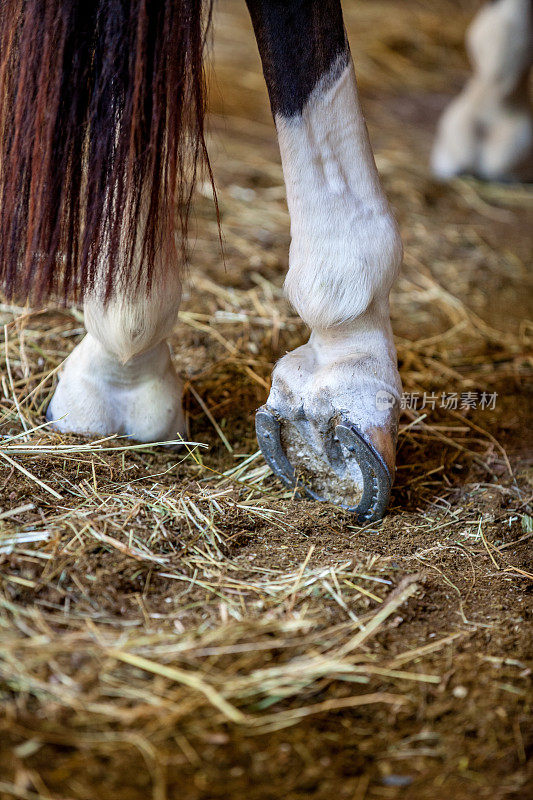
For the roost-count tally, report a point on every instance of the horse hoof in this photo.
(348, 447)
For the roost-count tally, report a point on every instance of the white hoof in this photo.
(487, 131)
(97, 395)
(491, 142)
(357, 386)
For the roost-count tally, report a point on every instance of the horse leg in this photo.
(120, 378)
(331, 416)
(101, 136)
(487, 130)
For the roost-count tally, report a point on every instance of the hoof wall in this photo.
(354, 445)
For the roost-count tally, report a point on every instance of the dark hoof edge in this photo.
(376, 476)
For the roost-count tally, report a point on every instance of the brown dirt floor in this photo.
(168, 631)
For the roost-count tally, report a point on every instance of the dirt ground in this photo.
(176, 625)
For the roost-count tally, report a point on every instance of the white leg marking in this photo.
(488, 129)
(120, 378)
(346, 249)
(344, 256)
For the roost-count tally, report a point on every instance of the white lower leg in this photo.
(120, 378)
(345, 249)
(344, 256)
(488, 129)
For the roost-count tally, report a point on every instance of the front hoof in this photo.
(346, 470)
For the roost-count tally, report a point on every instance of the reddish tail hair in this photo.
(102, 108)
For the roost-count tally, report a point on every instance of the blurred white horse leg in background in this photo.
(487, 130)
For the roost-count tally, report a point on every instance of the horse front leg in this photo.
(330, 421)
(120, 378)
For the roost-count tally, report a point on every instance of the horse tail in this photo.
(102, 107)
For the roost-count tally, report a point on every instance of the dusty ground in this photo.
(170, 631)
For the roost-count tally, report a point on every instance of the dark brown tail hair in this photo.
(102, 108)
